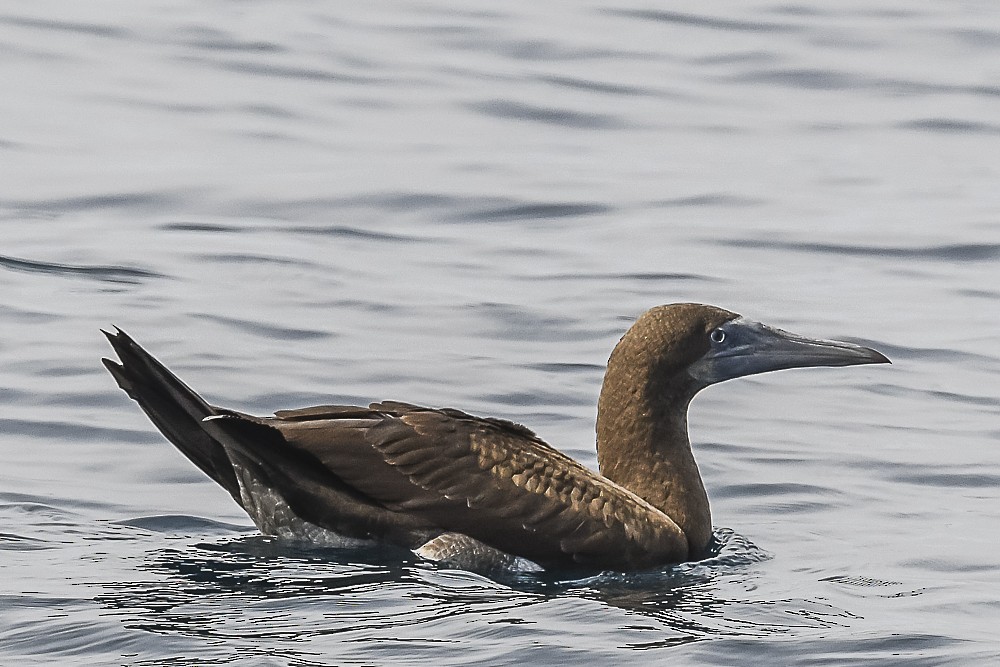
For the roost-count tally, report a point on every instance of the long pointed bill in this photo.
(743, 347)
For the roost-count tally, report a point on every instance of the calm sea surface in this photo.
(465, 204)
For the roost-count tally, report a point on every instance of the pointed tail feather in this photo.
(173, 407)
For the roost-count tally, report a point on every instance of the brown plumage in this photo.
(409, 475)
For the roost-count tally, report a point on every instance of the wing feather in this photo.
(489, 479)
(518, 484)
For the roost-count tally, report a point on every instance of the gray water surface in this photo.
(466, 205)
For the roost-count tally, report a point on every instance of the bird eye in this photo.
(717, 336)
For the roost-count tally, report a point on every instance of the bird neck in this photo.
(643, 445)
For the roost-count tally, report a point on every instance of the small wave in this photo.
(531, 211)
(200, 227)
(701, 21)
(114, 200)
(344, 232)
(510, 110)
(182, 523)
(950, 126)
(857, 580)
(264, 69)
(104, 273)
(32, 503)
(256, 259)
(566, 368)
(503, 321)
(950, 480)
(938, 354)
(727, 551)
(319, 208)
(872, 586)
(217, 40)
(719, 199)
(731, 549)
(806, 79)
(269, 331)
(13, 542)
(596, 86)
(92, 29)
(72, 432)
(952, 252)
(643, 276)
(528, 398)
(767, 490)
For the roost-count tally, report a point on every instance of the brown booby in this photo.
(444, 483)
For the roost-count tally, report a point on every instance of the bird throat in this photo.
(643, 445)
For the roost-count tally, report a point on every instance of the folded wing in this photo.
(441, 470)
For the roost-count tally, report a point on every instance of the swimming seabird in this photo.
(441, 481)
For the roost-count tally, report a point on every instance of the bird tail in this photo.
(173, 407)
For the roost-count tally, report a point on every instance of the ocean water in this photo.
(466, 205)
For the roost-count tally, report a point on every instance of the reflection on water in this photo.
(200, 590)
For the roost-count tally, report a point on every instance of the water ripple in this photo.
(263, 330)
(951, 125)
(71, 431)
(937, 354)
(567, 368)
(642, 276)
(510, 110)
(183, 524)
(701, 21)
(12, 542)
(110, 274)
(217, 40)
(534, 211)
(720, 199)
(264, 573)
(830, 79)
(989, 39)
(808, 79)
(344, 232)
(952, 252)
(505, 321)
(117, 200)
(596, 86)
(213, 227)
(262, 69)
(79, 28)
(950, 480)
